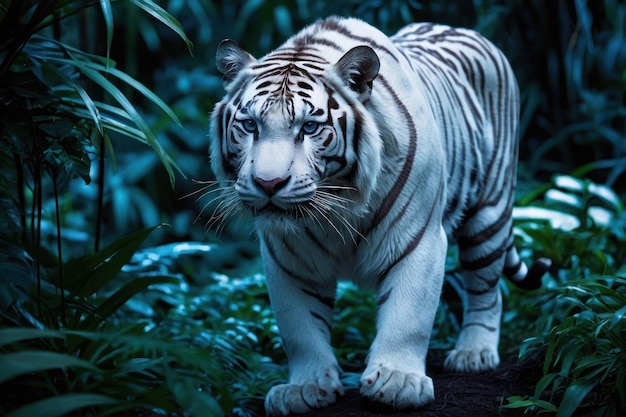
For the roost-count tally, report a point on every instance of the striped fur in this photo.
(359, 156)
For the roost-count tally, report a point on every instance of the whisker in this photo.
(197, 191)
(206, 184)
(335, 187)
(321, 212)
(311, 214)
(208, 204)
(222, 212)
(337, 205)
(334, 197)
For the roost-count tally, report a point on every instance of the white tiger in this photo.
(358, 154)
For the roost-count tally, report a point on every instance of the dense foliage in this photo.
(104, 310)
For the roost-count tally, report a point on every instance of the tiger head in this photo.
(293, 137)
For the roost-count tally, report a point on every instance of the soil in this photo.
(456, 395)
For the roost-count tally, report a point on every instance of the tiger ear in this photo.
(358, 68)
(230, 59)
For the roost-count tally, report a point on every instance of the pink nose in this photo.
(271, 187)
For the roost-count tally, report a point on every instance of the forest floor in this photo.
(456, 395)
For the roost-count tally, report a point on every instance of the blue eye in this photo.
(249, 125)
(310, 127)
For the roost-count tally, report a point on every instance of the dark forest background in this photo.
(116, 300)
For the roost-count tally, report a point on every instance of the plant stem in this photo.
(100, 201)
(59, 245)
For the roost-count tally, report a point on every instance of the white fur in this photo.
(302, 274)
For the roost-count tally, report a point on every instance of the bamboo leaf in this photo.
(91, 71)
(61, 405)
(145, 91)
(164, 17)
(28, 361)
(573, 396)
(86, 99)
(543, 383)
(519, 402)
(107, 13)
(617, 317)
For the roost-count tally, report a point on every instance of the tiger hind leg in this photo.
(485, 255)
(483, 246)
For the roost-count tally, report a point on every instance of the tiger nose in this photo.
(271, 187)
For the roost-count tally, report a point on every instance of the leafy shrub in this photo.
(576, 325)
(584, 352)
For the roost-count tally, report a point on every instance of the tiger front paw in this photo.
(286, 399)
(398, 389)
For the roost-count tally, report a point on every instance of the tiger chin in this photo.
(360, 156)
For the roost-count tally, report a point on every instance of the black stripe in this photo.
(414, 242)
(382, 299)
(483, 261)
(509, 271)
(489, 307)
(327, 301)
(332, 25)
(272, 253)
(318, 243)
(484, 235)
(383, 210)
(490, 328)
(323, 320)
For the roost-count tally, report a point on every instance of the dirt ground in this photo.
(456, 395)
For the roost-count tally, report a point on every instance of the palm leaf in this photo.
(12, 335)
(61, 405)
(28, 361)
(115, 301)
(87, 275)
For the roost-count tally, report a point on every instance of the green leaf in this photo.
(543, 383)
(573, 396)
(12, 335)
(130, 81)
(28, 361)
(115, 301)
(519, 402)
(87, 275)
(119, 96)
(107, 13)
(196, 402)
(86, 99)
(61, 405)
(164, 17)
(617, 317)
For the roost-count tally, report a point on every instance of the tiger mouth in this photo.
(272, 210)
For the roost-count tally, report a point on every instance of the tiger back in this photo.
(359, 156)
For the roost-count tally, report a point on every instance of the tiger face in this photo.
(289, 138)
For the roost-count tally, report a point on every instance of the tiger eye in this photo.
(309, 127)
(249, 125)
